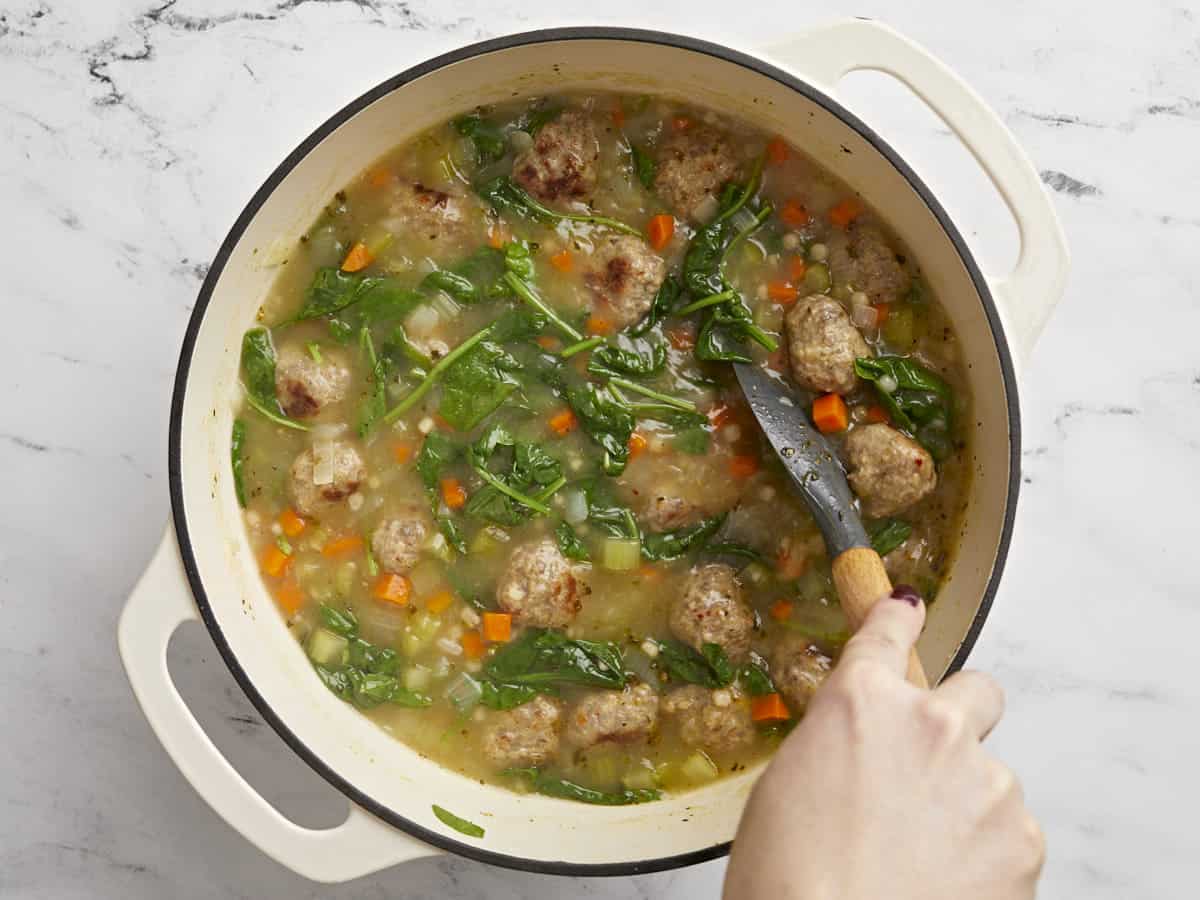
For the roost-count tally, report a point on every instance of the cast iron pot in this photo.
(204, 566)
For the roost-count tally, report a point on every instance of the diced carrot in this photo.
(781, 610)
(598, 325)
(743, 466)
(830, 414)
(402, 452)
(472, 645)
(442, 423)
(793, 214)
(291, 523)
(618, 115)
(681, 123)
(660, 229)
(796, 268)
(357, 259)
(650, 572)
(379, 178)
(845, 212)
(274, 561)
(562, 423)
(782, 291)
(881, 313)
(548, 342)
(876, 414)
(790, 565)
(497, 236)
(681, 338)
(777, 150)
(342, 546)
(392, 588)
(289, 597)
(453, 493)
(637, 443)
(769, 708)
(440, 602)
(563, 261)
(497, 626)
(719, 415)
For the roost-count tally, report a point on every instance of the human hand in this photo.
(884, 790)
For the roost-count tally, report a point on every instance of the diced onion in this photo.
(323, 462)
(818, 252)
(426, 576)
(887, 384)
(445, 306)
(328, 431)
(698, 768)
(576, 510)
(449, 647)
(417, 678)
(422, 321)
(721, 698)
(463, 692)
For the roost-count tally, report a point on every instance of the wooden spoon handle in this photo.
(861, 580)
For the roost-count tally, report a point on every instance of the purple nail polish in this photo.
(907, 593)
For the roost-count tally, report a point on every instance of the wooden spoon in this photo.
(819, 478)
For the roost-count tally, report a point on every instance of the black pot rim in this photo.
(551, 35)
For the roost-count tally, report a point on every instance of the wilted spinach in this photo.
(709, 668)
(606, 420)
(570, 544)
(667, 545)
(258, 374)
(486, 137)
(374, 297)
(237, 454)
(370, 675)
(608, 360)
(553, 786)
(540, 657)
(644, 166)
(475, 386)
(665, 299)
(921, 404)
(888, 534)
(505, 196)
(374, 403)
(527, 477)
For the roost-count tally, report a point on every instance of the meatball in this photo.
(798, 668)
(693, 164)
(703, 722)
(342, 475)
(562, 162)
(888, 470)
(538, 587)
(304, 386)
(396, 543)
(441, 219)
(711, 611)
(621, 716)
(524, 736)
(664, 513)
(625, 273)
(861, 256)
(823, 344)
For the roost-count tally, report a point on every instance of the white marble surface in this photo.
(131, 134)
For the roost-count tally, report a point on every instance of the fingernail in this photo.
(907, 593)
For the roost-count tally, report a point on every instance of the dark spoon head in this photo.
(810, 461)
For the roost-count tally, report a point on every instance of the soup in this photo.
(501, 480)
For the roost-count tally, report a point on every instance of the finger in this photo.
(889, 631)
(977, 696)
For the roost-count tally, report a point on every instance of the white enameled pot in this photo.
(204, 567)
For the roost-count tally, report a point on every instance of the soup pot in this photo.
(205, 568)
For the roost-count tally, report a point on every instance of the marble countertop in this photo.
(133, 131)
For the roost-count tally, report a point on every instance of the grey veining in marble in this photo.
(133, 131)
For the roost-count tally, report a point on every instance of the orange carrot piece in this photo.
(876, 414)
(845, 212)
(379, 178)
(342, 546)
(782, 291)
(681, 123)
(440, 602)
(719, 415)
(660, 229)
(548, 342)
(274, 561)
(402, 452)
(562, 423)
(291, 523)
(769, 708)
(743, 466)
(453, 493)
(618, 116)
(497, 626)
(793, 214)
(681, 338)
(881, 313)
(650, 572)
(392, 588)
(637, 444)
(830, 414)
(598, 325)
(497, 236)
(796, 268)
(289, 597)
(781, 610)
(563, 261)
(777, 150)
(358, 258)
(472, 645)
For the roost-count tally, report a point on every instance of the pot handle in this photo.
(161, 602)
(827, 53)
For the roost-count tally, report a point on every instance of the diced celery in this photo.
(343, 579)
(463, 692)
(417, 678)
(489, 540)
(699, 768)
(419, 633)
(620, 554)
(816, 279)
(899, 328)
(426, 577)
(641, 778)
(326, 648)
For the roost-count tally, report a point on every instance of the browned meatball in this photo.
(693, 164)
(562, 163)
(711, 611)
(624, 273)
(703, 722)
(888, 470)
(538, 587)
(304, 386)
(440, 220)
(798, 668)
(861, 256)
(621, 716)
(662, 489)
(396, 543)
(524, 736)
(339, 477)
(823, 344)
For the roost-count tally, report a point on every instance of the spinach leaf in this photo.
(534, 121)
(237, 456)
(888, 534)
(376, 297)
(570, 544)
(374, 404)
(729, 548)
(921, 404)
(552, 786)
(258, 369)
(710, 667)
(451, 532)
(457, 286)
(608, 515)
(399, 349)
(549, 657)
(644, 166)
(505, 196)
(459, 824)
(369, 676)
(517, 325)
(476, 384)
(755, 677)
(486, 137)
(498, 695)
(665, 299)
(666, 545)
(437, 452)
(341, 622)
(606, 421)
(608, 360)
(472, 279)
(506, 498)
